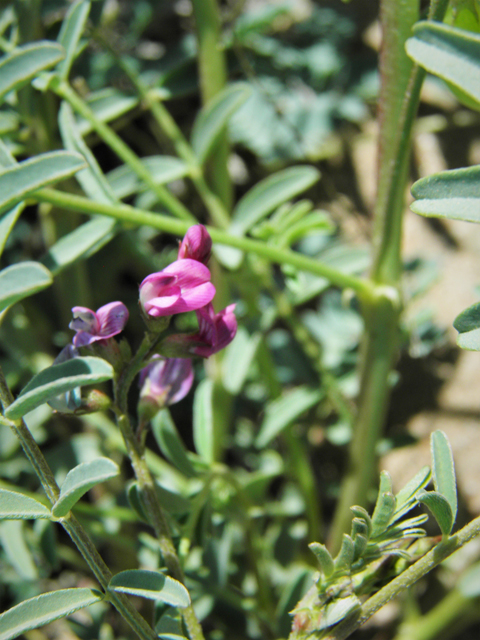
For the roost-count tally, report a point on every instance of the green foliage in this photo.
(151, 585)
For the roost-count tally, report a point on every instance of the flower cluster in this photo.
(185, 285)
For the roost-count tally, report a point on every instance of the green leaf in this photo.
(124, 182)
(270, 193)
(71, 31)
(324, 558)
(203, 426)
(451, 194)
(405, 498)
(469, 341)
(449, 53)
(440, 508)
(467, 324)
(17, 551)
(7, 222)
(213, 118)
(338, 610)
(19, 181)
(80, 479)
(237, 358)
(24, 63)
(92, 178)
(170, 442)
(16, 506)
(359, 528)
(282, 412)
(443, 469)
(361, 513)
(107, 104)
(83, 242)
(22, 280)
(385, 506)
(345, 556)
(359, 545)
(58, 379)
(152, 585)
(44, 609)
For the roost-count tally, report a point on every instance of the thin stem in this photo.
(167, 124)
(70, 524)
(139, 217)
(212, 68)
(123, 151)
(406, 579)
(146, 485)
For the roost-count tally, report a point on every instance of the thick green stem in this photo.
(123, 151)
(139, 217)
(405, 580)
(213, 77)
(399, 97)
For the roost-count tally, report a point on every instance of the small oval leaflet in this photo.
(43, 609)
(22, 280)
(152, 585)
(58, 379)
(80, 479)
(16, 506)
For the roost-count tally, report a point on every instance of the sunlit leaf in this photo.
(450, 53)
(19, 181)
(80, 479)
(443, 469)
(44, 609)
(440, 508)
(16, 506)
(58, 379)
(451, 194)
(24, 63)
(22, 280)
(324, 558)
(203, 425)
(152, 585)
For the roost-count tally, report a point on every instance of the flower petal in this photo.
(112, 318)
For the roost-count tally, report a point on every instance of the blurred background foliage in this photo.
(244, 521)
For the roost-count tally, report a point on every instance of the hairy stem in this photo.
(405, 580)
(140, 217)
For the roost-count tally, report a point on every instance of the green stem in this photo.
(123, 151)
(167, 124)
(139, 217)
(399, 98)
(70, 524)
(405, 580)
(213, 78)
(146, 485)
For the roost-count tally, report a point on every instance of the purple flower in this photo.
(165, 381)
(215, 330)
(196, 245)
(182, 286)
(100, 325)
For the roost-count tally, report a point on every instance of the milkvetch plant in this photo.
(210, 337)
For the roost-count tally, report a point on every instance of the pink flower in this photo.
(92, 326)
(215, 331)
(182, 286)
(165, 381)
(196, 245)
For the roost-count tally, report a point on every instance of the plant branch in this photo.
(122, 150)
(139, 217)
(405, 580)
